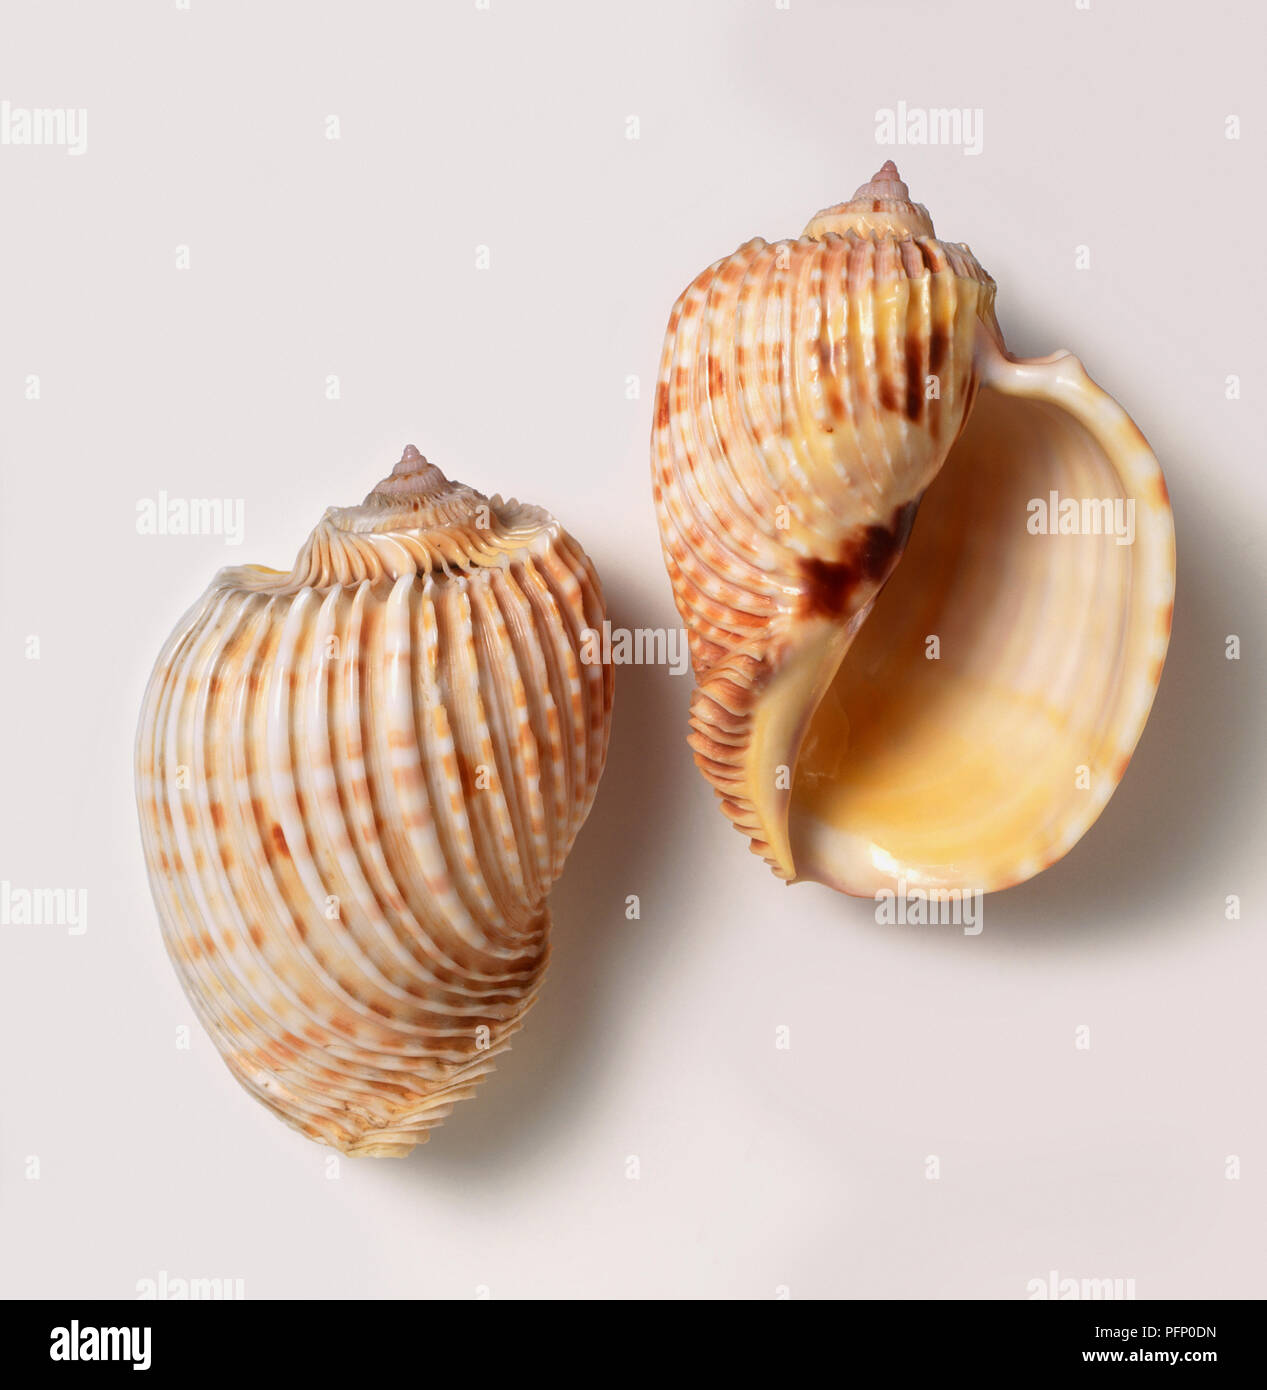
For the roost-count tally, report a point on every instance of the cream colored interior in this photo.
(963, 771)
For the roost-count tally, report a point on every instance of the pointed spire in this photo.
(882, 207)
(412, 476)
(410, 460)
(886, 182)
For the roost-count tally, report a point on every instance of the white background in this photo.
(309, 257)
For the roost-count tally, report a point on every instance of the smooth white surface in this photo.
(761, 1168)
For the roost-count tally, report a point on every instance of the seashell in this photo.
(827, 407)
(357, 782)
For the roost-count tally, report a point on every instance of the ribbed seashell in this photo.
(357, 782)
(811, 393)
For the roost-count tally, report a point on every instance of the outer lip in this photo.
(1061, 380)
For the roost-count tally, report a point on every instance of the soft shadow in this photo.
(601, 963)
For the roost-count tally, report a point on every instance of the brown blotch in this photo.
(1120, 770)
(466, 775)
(824, 349)
(866, 558)
(279, 840)
(716, 378)
(256, 933)
(217, 815)
(662, 406)
(1168, 616)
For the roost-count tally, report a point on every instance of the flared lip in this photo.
(1060, 379)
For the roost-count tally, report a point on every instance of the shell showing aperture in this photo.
(357, 783)
(813, 396)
